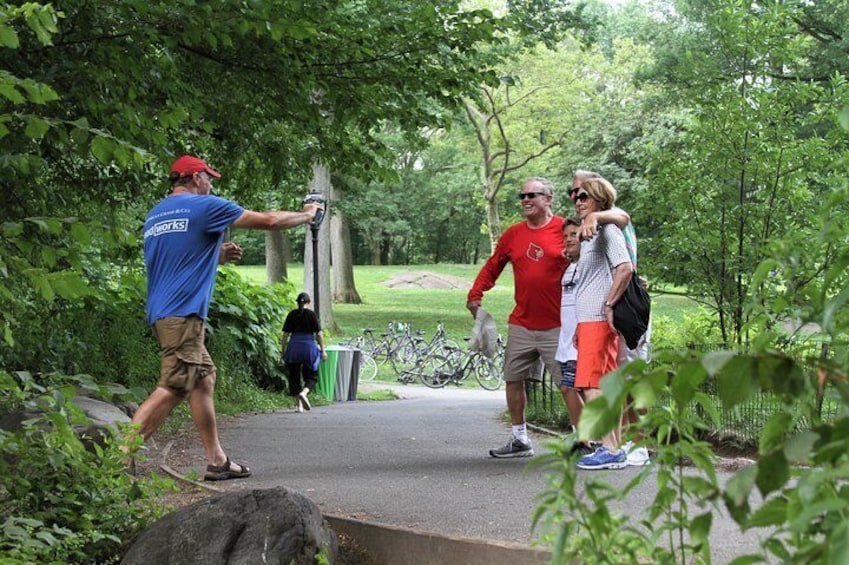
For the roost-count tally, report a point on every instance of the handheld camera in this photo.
(317, 198)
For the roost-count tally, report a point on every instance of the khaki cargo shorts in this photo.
(527, 351)
(184, 355)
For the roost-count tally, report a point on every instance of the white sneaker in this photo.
(637, 457)
(302, 398)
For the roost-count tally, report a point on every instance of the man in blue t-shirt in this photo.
(183, 245)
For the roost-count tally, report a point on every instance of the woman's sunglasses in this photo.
(580, 196)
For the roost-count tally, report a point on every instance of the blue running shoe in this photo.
(603, 459)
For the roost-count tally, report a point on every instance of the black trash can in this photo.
(355, 374)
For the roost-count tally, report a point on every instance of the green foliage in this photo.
(61, 502)
(695, 327)
(676, 525)
(107, 336)
(104, 335)
(745, 149)
(385, 215)
(246, 322)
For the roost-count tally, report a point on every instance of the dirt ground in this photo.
(427, 281)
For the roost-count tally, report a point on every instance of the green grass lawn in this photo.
(425, 308)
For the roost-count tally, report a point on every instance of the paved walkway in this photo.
(420, 462)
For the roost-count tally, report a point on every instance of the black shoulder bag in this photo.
(631, 312)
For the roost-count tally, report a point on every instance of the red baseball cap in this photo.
(188, 165)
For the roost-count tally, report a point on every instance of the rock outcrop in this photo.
(275, 526)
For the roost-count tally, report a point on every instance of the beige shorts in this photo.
(527, 350)
(184, 355)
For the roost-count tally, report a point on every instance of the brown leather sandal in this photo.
(223, 472)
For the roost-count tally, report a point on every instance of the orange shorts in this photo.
(598, 347)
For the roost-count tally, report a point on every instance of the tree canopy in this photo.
(97, 97)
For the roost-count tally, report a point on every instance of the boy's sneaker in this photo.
(638, 457)
(514, 448)
(580, 449)
(603, 459)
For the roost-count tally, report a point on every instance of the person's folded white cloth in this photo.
(484, 334)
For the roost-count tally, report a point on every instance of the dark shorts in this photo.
(567, 374)
(183, 353)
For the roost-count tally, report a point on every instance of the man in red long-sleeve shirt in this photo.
(535, 249)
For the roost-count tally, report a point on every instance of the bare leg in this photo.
(154, 410)
(516, 400)
(202, 406)
(611, 440)
(630, 416)
(574, 404)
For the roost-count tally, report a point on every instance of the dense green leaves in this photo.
(97, 98)
(748, 153)
(62, 502)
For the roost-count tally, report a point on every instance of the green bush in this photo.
(245, 323)
(106, 335)
(698, 327)
(59, 502)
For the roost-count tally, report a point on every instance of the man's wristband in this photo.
(608, 305)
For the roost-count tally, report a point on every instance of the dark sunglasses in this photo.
(523, 195)
(582, 197)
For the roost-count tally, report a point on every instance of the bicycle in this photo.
(367, 346)
(457, 367)
(392, 347)
(421, 366)
(380, 350)
(368, 366)
(412, 360)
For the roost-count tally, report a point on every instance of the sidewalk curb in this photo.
(392, 544)
(387, 544)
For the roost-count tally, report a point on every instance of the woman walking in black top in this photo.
(303, 349)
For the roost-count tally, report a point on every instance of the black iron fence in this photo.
(740, 425)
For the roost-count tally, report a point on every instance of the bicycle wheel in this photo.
(446, 347)
(381, 353)
(487, 373)
(405, 353)
(437, 371)
(368, 367)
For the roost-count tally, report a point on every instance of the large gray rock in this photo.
(274, 526)
(104, 419)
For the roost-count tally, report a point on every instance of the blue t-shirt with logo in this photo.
(182, 238)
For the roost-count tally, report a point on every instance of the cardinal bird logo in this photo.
(534, 252)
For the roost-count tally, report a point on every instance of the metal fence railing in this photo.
(741, 425)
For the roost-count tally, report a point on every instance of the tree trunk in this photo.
(493, 221)
(320, 183)
(385, 247)
(277, 256)
(344, 289)
(374, 249)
